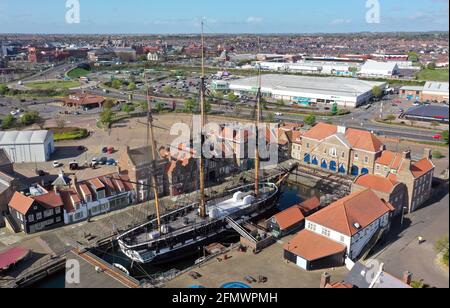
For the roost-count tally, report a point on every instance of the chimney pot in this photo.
(325, 281)
(407, 155)
(407, 278)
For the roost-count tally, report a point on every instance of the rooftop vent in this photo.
(357, 226)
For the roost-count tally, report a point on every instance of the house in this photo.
(182, 175)
(417, 176)
(140, 168)
(392, 191)
(344, 229)
(337, 149)
(286, 222)
(84, 100)
(40, 210)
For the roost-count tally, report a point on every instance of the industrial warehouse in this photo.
(27, 146)
(303, 90)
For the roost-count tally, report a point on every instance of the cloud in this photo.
(341, 21)
(254, 20)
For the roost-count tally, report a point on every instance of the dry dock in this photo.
(268, 263)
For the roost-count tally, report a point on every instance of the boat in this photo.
(190, 228)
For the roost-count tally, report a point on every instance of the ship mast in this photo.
(153, 154)
(202, 125)
(257, 124)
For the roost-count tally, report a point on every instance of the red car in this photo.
(437, 137)
(110, 150)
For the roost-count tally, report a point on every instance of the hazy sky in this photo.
(226, 16)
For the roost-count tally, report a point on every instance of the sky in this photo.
(229, 16)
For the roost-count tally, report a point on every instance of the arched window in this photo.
(364, 171)
(307, 158)
(342, 169)
(315, 162)
(324, 164)
(355, 171)
(333, 166)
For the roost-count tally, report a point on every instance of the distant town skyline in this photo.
(250, 16)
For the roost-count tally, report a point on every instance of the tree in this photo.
(60, 122)
(109, 104)
(334, 110)
(116, 84)
(377, 92)
(431, 66)
(391, 118)
(280, 103)
(159, 106)
(232, 97)
(413, 56)
(29, 118)
(132, 86)
(189, 105)
(127, 108)
(3, 89)
(310, 120)
(8, 122)
(445, 136)
(106, 117)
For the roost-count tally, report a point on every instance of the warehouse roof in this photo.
(434, 86)
(429, 111)
(320, 85)
(378, 66)
(23, 137)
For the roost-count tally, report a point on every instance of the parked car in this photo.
(111, 150)
(105, 150)
(278, 114)
(57, 164)
(111, 162)
(41, 173)
(103, 161)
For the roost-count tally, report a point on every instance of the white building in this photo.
(342, 230)
(28, 146)
(307, 90)
(379, 69)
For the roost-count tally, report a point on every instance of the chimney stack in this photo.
(407, 278)
(341, 129)
(407, 155)
(428, 154)
(325, 281)
(74, 182)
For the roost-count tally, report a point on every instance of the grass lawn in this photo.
(77, 73)
(434, 75)
(69, 133)
(47, 85)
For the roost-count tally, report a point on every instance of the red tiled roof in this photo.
(297, 137)
(289, 217)
(321, 131)
(312, 246)
(363, 140)
(85, 190)
(422, 167)
(70, 198)
(390, 159)
(50, 200)
(21, 203)
(84, 99)
(12, 256)
(361, 208)
(376, 182)
(97, 183)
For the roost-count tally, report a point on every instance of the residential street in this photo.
(405, 254)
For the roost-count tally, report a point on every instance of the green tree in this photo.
(159, 106)
(232, 97)
(377, 92)
(390, 118)
(8, 122)
(107, 117)
(280, 103)
(189, 105)
(132, 86)
(30, 118)
(334, 110)
(270, 117)
(127, 108)
(310, 120)
(218, 94)
(445, 136)
(167, 90)
(109, 103)
(413, 56)
(116, 84)
(441, 247)
(3, 89)
(431, 66)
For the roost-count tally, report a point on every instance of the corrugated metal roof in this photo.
(23, 137)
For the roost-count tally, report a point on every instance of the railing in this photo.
(239, 229)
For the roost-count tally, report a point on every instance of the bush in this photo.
(438, 155)
(310, 120)
(30, 118)
(8, 122)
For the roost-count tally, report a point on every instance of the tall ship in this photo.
(185, 230)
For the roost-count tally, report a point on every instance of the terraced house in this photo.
(416, 175)
(338, 149)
